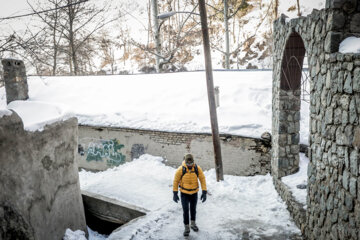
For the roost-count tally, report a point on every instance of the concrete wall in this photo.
(39, 183)
(101, 148)
(333, 200)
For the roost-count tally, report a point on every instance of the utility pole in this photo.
(227, 47)
(211, 95)
(156, 30)
(298, 8)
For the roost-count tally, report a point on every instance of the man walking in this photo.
(186, 178)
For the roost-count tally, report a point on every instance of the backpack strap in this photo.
(196, 170)
(184, 171)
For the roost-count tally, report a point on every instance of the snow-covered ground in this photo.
(236, 208)
(299, 178)
(171, 102)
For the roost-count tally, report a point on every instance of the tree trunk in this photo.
(156, 33)
(226, 25)
(276, 6)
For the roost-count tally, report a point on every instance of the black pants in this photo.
(186, 200)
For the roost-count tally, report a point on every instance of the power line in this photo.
(44, 11)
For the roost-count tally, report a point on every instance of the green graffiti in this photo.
(109, 150)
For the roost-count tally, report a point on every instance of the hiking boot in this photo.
(193, 226)
(187, 230)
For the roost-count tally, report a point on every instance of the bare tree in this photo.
(276, 7)
(81, 22)
(53, 31)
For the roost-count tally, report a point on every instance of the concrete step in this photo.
(105, 214)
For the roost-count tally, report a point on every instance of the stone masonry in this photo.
(333, 200)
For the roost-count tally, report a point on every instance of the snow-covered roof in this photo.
(175, 102)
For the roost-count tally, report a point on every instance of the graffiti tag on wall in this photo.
(105, 150)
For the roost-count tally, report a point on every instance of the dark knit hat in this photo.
(189, 159)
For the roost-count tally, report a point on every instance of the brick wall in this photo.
(101, 148)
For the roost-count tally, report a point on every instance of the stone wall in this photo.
(101, 148)
(40, 193)
(296, 209)
(333, 201)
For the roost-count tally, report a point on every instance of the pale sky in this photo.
(14, 7)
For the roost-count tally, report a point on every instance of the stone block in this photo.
(345, 179)
(356, 79)
(330, 202)
(337, 116)
(355, 23)
(356, 141)
(345, 102)
(340, 81)
(353, 186)
(348, 84)
(341, 138)
(329, 116)
(344, 118)
(335, 21)
(353, 117)
(346, 5)
(354, 162)
(294, 149)
(349, 202)
(332, 41)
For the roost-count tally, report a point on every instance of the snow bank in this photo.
(350, 45)
(174, 102)
(5, 112)
(35, 115)
(74, 235)
(298, 178)
(80, 235)
(147, 176)
(236, 207)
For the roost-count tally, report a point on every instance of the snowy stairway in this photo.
(105, 214)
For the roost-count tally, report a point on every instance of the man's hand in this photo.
(176, 197)
(203, 196)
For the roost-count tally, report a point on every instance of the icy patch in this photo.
(299, 178)
(35, 115)
(350, 45)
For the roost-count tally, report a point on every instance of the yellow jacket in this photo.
(189, 182)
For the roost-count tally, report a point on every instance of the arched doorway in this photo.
(287, 125)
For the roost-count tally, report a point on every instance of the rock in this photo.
(345, 102)
(332, 41)
(301, 186)
(349, 202)
(352, 112)
(354, 24)
(266, 136)
(356, 82)
(329, 116)
(348, 84)
(354, 162)
(345, 179)
(353, 186)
